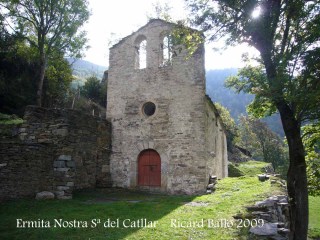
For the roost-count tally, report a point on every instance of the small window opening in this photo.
(167, 51)
(141, 55)
(149, 109)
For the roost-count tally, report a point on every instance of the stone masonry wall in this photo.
(54, 150)
(216, 142)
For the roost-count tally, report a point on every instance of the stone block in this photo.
(62, 188)
(151, 144)
(62, 169)
(22, 136)
(70, 164)
(45, 140)
(61, 132)
(265, 230)
(70, 174)
(263, 177)
(70, 184)
(22, 130)
(65, 158)
(140, 146)
(44, 195)
(59, 193)
(59, 164)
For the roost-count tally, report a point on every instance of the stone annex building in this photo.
(166, 133)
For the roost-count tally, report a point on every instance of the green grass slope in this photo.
(121, 214)
(314, 217)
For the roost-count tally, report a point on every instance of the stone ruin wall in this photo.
(54, 150)
(216, 141)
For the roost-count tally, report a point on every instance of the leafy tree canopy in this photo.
(48, 26)
(228, 122)
(94, 90)
(311, 140)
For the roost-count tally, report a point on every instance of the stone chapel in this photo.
(167, 135)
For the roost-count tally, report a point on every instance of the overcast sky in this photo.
(115, 19)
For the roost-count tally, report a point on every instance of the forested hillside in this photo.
(235, 103)
(83, 69)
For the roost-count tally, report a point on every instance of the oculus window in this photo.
(148, 109)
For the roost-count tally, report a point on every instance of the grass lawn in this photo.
(314, 217)
(167, 212)
(252, 168)
(172, 217)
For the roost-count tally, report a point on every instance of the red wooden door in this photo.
(149, 169)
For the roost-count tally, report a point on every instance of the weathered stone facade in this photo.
(54, 150)
(183, 127)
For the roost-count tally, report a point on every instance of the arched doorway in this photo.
(149, 168)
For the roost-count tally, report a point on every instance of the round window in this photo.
(149, 109)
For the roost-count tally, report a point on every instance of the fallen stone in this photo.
(257, 208)
(44, 195)
(266, 203)
(258, 212)
(283, 200)
(263, 177)
(280, 224)
(284, 204)
(283, 231)
(280, 197)
(59, 194)
(265, 230)
(213, 177)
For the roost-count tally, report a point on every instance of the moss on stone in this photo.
(233, 171)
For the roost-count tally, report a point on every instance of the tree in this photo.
(228, 122)
(57, 81)
(17, 70)
(247, 139)
(265, 143)
(311, 140)
(49, 26)
(94, 90)
(286, 34)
